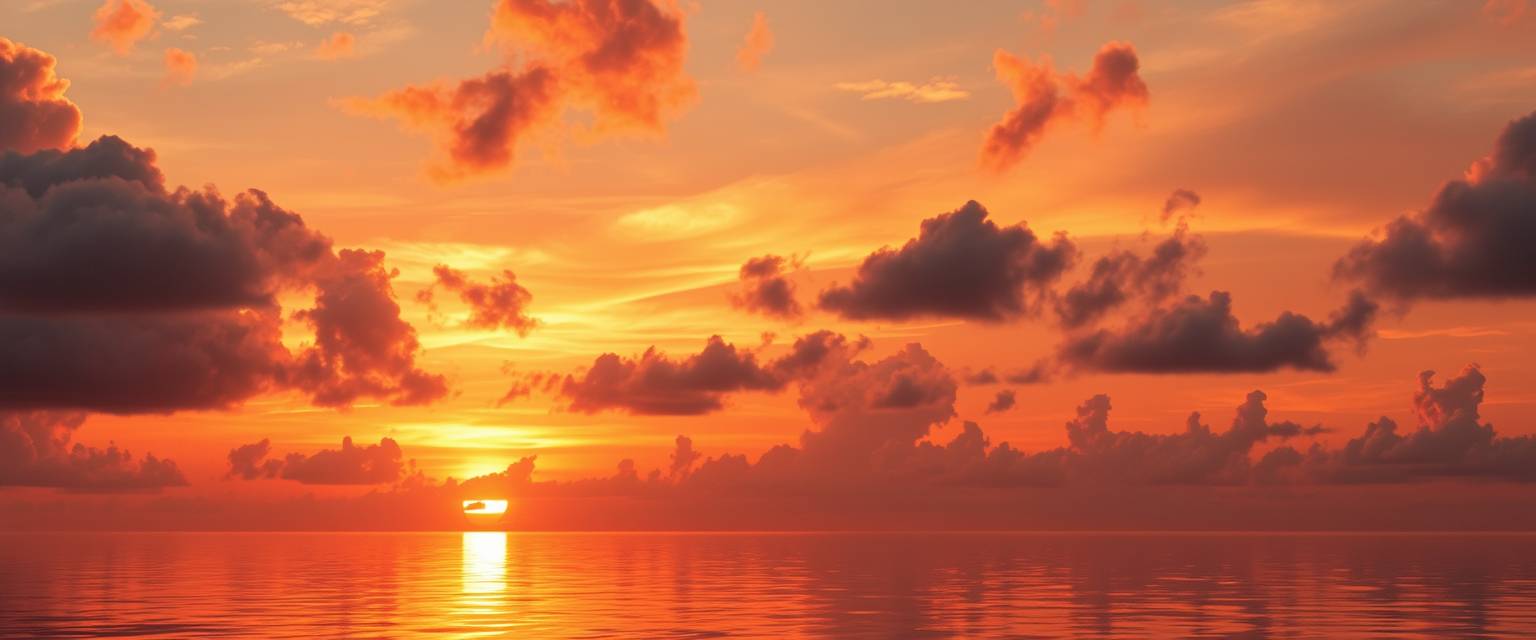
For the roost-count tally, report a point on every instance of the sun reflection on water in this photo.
(485, 562)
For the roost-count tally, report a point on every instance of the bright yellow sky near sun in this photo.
(1302, 125)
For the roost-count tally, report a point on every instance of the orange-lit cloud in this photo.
(123, 23)
(758, 43)
(339, 45)
(34, 113)
(1119, 276)
(623, 61)
(928, 92)
(1507, 12)
(369, 464)
(1046, 98)
(181, 22)
(316, 13)
(500, 304)
(767, 289)
(35, 451)
(180, 67)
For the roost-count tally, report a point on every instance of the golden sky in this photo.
(594, 177)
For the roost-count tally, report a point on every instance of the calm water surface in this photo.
(766, 585)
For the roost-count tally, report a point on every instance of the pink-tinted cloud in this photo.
(369, 464)
(500, 304)
(622, 60)
(961, 265)
(767, 289)
(1046, 98)
(1473, 240)
(338, 45)
(121, 24)
(758, 42)
(35, 451)
(180, 67)
(34, 114)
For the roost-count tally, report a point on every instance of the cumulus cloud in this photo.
(338, 45)
(1121, 276)
(758, 42)
(1473, 240)
(500, 304)
(180, 67)
(767, 289)
(121, 24)
(656, 384)
(35, 451)
(369, 464)
(1202, 335)
(961, 265)
(34, 114)
(932, 91)
(1181, 200)
(622, 61)
(122, 295)
(1004, 401)
(1046, 98)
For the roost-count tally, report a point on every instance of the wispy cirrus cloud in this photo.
(932, 91)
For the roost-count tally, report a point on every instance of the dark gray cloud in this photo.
(1473, 240)
(36, 451)
(1201, 335)
(961, 265)
(767, 289)
(1179, 201)
(1004, 401)
(369, 464)
(119, 295)
(1122, 276)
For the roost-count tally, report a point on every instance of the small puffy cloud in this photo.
(935, 90)
(338, 45)
(121, 24)
(961, 265)
(1046, 98)
(35, 451)
(369, 464)
(500, 304)
(180, 67)
(767, 289)
(758, 42)
(657, 384)
(1473, 241)
(34, 114)
(1122, 276)
(1202, 335)
(1005, 400)
(1180, 201)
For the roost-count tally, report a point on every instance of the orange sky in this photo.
(626, 174)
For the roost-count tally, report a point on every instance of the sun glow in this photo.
(485, 507)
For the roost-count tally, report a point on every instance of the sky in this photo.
(642, 264)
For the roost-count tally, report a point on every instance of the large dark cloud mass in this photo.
(1046, 98)
(622, 60)
(961, 265)
(1473, 240)
(35, 451)
(118, 294)
(369, 464)
(34, 114)
(1202, 335)
(655, 384)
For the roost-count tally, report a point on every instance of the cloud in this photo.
(180, 67)
(121, 295)
(500, 304)
(181, 22)
(1472, 241)
(1179, 201)
(655, 384)
(35, 451)
(1004, 401)
(123, 23)
(369, 464)
(767, 289)
(1201, 335)
(932, 91)
(339, 45)
(961, 265)
(318, 13)
(1121, 276)
(1046, 98)
(758, 42)
(622, 61)
(34, 114)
